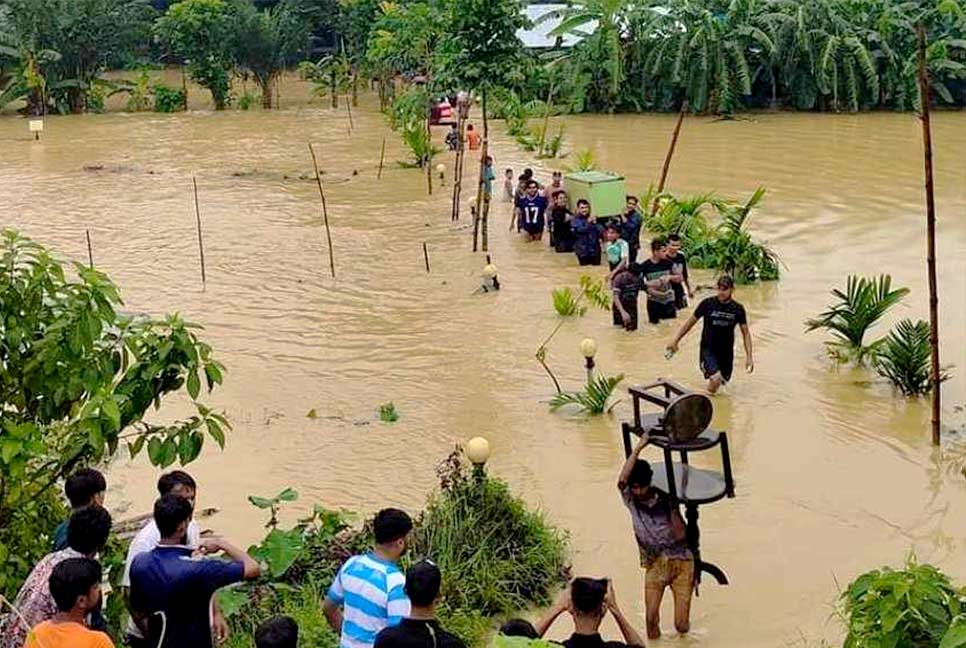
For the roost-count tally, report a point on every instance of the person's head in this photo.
(532, 188)
(587, 596)
(87, 529)
(610, 233)
(452, 127)
(631, 203)
(557, 178)
(583, 208)
(509, 174)
(85, 487)
(277, 632)
(489, 161)
(528, 173)
(726, 287)
(519, 628)
(392, 527)
(75, 585)
(673, 244)
(659, 248)
(179, 483)
(469, 127)
(172, 514)
(639, 482)
(560, 199)
(423, 581)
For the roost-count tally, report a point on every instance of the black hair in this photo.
(277, 632)
(726, 281)
(469, 127)
(508, 171)
(528, 172)
(170, 510)
(583, 202)
(658, 243)
(674, 237)
(629, 197)
(169, 481)
(611, 226)
(641, 474)
(519, 628)
(71, 579)
(87, 529)
(423, 581)
(489, 159)
(390, 525)
(83, 485)
(532, 182)
(587, 594)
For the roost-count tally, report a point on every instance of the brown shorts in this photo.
(676, 573)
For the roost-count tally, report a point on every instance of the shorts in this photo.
(533, 228)
(712, 363)
(630, 305)
(680, 297)
(676, 573)
(657, 311)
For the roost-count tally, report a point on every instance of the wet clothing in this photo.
(660, 300)
(561, 235)
(474, 139)
(718, 335)
(653, 528)
(508, 190)
(593, 641)
(626, 287)
(586, 240)
(616, 251)
(371, 592)
(630, 228)
(676, 573)
(532, 211)
(488, 178)
(679, 265)
(452, 140)
(413, 633)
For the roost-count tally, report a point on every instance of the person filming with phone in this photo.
(588, 600)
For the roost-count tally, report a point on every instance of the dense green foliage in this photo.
(77, 379)
(903, 357)
(916, 607)
(863, 303)
(267, 40)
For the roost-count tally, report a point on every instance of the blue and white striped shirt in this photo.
(372, 594)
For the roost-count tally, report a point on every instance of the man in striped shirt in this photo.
(368, 594)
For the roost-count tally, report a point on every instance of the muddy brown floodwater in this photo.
(834, 471)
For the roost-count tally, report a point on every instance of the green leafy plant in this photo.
(584, 160)
(246, 100)
(594, 399)
(388, 413)
(863, 303)
(78, 380)
(139, 98)
(903, 357)
(916, 607)
(566, 303)
(167, 99)
(273, 504)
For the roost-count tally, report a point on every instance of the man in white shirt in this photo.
(182, 484)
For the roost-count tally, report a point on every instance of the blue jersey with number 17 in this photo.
(531, 209)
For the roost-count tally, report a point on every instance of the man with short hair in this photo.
(182, 484)
(368, 594)
(75, 585)
(420, 629)
(171, 591)
(657, 278)
(87, 533)
(277, 632)
(721, 315)
(679, 266)
(630, 226)
(661, 539)
(589, 600)
(586, 233)
(84, 487)
(530, 211)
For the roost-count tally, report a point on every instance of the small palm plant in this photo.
(594, 399)
(566, 303)
(903, 358)
(584, 160)
(863, 303)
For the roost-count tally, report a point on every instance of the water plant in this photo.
(593, 399)
(167, 99)
(863, 303)
(584, 160)
(903, 357)
(388, 413)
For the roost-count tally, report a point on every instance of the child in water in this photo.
(618, 251)
(508, 185)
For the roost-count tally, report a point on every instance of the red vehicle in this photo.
(442, 114)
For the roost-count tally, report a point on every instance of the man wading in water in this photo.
(721, 314)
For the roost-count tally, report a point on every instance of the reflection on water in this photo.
(835, 474)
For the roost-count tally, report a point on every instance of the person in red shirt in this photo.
(473, 138)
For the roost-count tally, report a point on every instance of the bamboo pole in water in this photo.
(426, 256)
(90, 251)
(483, 154)
(201, 243)
(429, 144)
(930, 236)
(460, 156)
(348, 110)
(476, 226)
(670, 154)
(325, 211)
(382, 159)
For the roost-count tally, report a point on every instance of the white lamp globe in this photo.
(477, 450)
(588, 347)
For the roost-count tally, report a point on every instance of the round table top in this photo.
(687, 416)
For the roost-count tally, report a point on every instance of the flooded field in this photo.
(834, 472)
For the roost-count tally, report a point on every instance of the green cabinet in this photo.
(605, 191)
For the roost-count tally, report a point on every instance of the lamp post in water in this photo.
(477, 450)
(588, 347)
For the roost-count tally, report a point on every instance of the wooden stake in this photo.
(930, 238)
(670, 154)
(476, 226)
(201, 243)
(348, 110)
(90, 251)
(426, 256)
(325, 211)
(460, 157)
(382, 158)
(483, 153)
(484, 227)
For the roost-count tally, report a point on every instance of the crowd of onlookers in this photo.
(173, 571)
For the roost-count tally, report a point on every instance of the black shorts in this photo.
(630, 305)
(657, 311)
(533, 228)
(713, 362)
(589, 260)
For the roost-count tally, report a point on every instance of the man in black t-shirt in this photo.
(657, 277)
(420, 629)
(589, 600)
(721, 315)
(679, 266)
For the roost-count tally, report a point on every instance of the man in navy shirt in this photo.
(530, 208)
(171, 589)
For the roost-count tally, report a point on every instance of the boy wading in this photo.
(656, 275)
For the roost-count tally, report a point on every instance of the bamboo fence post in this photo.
(382, 158)
(90, 251)
(458, 167)
(348, 110)
(476, 226)
(930, 238)
(426, 256)
(483, 154)
(325, 211)
(201, 244)
(670, 154)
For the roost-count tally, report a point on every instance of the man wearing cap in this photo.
(721, 315)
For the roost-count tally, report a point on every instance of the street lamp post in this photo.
(588, 347)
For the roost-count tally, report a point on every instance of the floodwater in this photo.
(835, 474)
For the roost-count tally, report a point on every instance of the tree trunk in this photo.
(546, 124)
(77, 98)
(266, 85)
(460, 158)
(484, 227)
(184, 89)
(355, 90)
(483, 154)
(335, 90)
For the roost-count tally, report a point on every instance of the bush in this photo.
(916, 607)
(246, 100)
(904, 356)
(167, 99)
